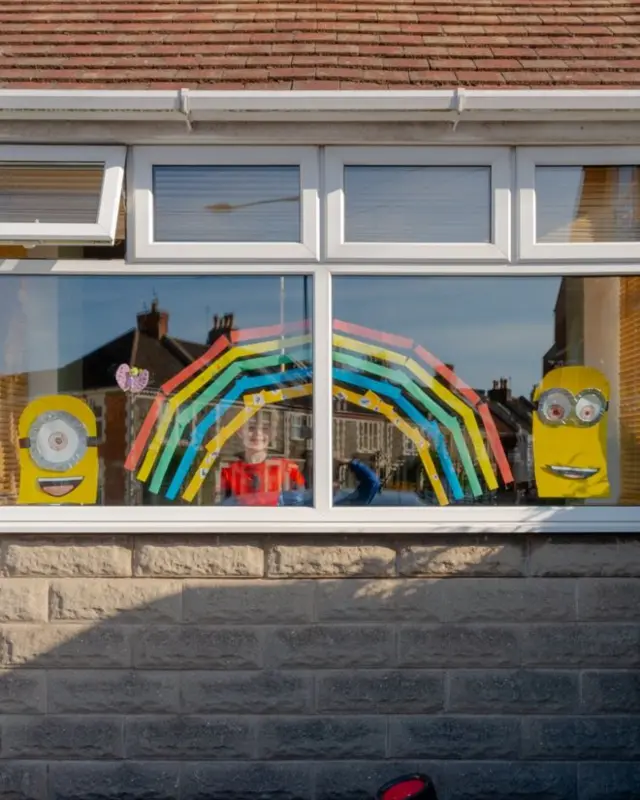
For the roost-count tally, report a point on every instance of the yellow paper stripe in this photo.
(266, 397)
(199, 382)
(240, 419)
(441, 391)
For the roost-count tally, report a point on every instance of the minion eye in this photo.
(590, 407)
(554, 407)
(58, 441)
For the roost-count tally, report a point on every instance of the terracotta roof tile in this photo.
(286, 44)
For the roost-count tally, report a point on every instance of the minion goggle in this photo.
(57, 441)
(557, 407)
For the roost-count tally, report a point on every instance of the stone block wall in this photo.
(237, 668)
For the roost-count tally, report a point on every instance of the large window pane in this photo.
(587, 204)
(486, 390)
(226, 203)
(134, 391)
(417, 204)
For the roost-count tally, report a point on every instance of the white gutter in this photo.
(194, 105)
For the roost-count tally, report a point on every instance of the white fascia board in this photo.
(89, 104)
(617, 100)
(321, 102)
(202, 105)
(415, 105)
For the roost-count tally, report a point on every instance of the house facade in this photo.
(319, 361)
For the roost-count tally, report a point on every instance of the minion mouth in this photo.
(59, 487)
(573, 473)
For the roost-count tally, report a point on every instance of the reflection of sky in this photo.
(227, 204)
(66, 317)
(488, 328)
(417, 204)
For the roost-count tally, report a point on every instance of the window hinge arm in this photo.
(459, 98)
(185, 109)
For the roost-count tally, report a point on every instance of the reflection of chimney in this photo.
(500, 391)
(222, 326)
(154, 323)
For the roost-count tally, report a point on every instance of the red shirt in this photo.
(261, 484)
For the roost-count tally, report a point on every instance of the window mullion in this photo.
(322, 392)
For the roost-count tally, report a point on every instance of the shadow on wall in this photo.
(237, 668)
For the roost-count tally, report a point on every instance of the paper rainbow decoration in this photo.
(261, 366)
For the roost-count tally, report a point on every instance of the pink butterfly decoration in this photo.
(132, 379)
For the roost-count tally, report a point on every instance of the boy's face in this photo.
(255, 437)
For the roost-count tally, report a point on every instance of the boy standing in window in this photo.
(255, 479)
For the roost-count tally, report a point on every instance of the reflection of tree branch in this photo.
(225, 207)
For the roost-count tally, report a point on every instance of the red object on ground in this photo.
(408, 787)
(405, 790)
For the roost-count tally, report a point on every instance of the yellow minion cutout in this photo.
(570, 433)
(58, 452)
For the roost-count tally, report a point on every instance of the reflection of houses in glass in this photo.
(513, 417)
(568, 326)
(357, 432)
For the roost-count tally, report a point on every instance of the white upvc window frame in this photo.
(323, 517)
(142, 246)
(527, 159)
(497, 158)
(103, 231)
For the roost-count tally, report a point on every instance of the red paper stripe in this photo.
(496, 445)
(369, 333)
(216, 348)
(448, 374)
(269, 330)
(145, 431)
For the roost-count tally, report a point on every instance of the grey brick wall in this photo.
(237, 668)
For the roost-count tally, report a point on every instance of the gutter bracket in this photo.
(459, 98)
(184, 107)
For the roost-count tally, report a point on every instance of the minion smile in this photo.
(573, 473)
(59, 487)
